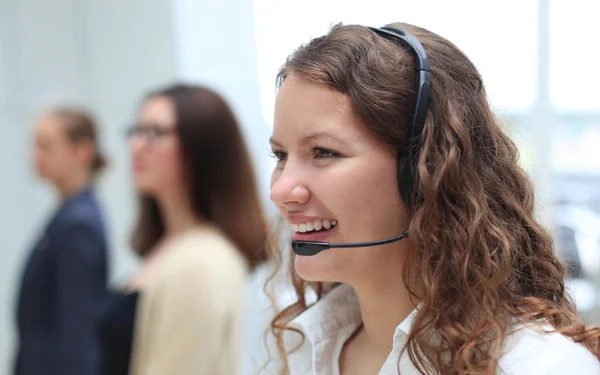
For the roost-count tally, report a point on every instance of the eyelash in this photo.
(279, 155)
(317, 150)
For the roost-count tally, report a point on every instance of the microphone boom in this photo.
(309, 248)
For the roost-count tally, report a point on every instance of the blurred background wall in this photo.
(536, 57)
(102, 55)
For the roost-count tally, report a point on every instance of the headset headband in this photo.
(407, 163)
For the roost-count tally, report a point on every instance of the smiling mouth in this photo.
(314, 226)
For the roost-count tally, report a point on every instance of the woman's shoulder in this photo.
(536, 349)
(197, 266)
(76, 220)
(203, 250)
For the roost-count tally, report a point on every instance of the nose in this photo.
(287, 187)
(136, 144)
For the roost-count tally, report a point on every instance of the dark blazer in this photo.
(63, 290)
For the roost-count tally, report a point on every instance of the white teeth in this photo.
(313, 226)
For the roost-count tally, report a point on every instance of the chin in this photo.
(144, 187)
(42, 175)
(47, 178)
(326, 266)
(41, 172)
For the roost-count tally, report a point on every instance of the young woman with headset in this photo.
(386, 136)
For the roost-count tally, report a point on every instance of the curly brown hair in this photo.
(478, 259)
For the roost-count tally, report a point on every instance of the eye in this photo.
(324, 153)
(279, 155)
(157, 131)
(133, 131)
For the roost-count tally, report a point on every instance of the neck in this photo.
(384, 303)
(177, 213)
(72, 185)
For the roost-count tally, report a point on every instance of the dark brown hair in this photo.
(217, 165)
(477, 257)
(80, 126)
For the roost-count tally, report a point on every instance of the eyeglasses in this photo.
(151, 133)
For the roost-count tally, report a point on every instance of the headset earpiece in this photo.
(407, 163)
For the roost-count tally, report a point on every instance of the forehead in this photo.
(159, 110)
(49, 127)
(303, 107)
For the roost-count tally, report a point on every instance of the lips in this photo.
(138, 166)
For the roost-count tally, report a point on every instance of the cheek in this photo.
(275, 174)
(39, 158)
(159, 169)
(378, 192)
(57, 162)
(367, 201)
(172, 163)
(169, 170)
(274, 177)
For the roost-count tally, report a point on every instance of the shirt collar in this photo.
(403, 330)
(407, 323)
(337, 310)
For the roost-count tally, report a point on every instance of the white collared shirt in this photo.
(329, 323)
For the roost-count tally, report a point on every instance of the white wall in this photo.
(99, 54)
(105, 55)
(215, 45)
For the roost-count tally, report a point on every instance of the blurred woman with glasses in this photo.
(200, 230)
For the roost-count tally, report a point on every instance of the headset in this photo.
(407, 162)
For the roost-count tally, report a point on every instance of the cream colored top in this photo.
(189, 313)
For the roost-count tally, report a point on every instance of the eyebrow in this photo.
(149, 124)
(311, 138)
